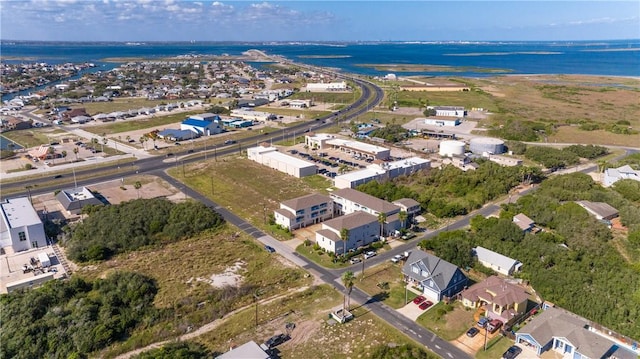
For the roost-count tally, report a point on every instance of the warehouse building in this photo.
(327, 87)
(250, 115)
(435, 121)
(269, 156)
(448, 111)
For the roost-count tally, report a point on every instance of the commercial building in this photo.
(448, 111)
(488, 145)
(361, 149)
(250, 115)
(435, 121)
(269, 156)
(303, 211)
(327, 87)
(363, 228)
(347, 201)
(20, 227)
(382, 172)
(201, 127)
(73, 200)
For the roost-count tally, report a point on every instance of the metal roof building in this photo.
(269, 156)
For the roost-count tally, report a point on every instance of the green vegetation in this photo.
(573, 256)
(179, 350)
(385, 282)
(449, 191)
(554, 158)
(139, 222)
(74, 318)
(446, 320)
(632, 160)
(401, 352)
(520, 130)
(390, 133)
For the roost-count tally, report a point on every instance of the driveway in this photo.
(412, 311)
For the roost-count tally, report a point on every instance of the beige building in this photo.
(304, 211)
(500, 299)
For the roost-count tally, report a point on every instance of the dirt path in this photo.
(205, 328)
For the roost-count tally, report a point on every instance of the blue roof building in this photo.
(201, 127)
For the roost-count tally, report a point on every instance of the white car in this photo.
(369, 254)
(397, 258)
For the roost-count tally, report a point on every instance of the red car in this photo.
(425, 305)
(419, 299)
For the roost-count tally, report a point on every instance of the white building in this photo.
(363, 229)
(381, 172)
(20, 228)
(348, 201)
(269, 156)
(448, 111)
(434, 121)
(303, 211)
(318, 140)
(74, 199)
(300, 103)
(613, 175)
(496, 261)
(361, 149)
(327, 87)
(251, 115)
(201, 127)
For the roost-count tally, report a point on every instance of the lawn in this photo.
(449, 326)
(250, 190)
(385, 281)
(132, 125)
(304, 114)
(320, 257)
(495, 348)
(183, 271)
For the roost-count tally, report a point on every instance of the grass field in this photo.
(449, 326)
(393, 293)
(313, 336)
(245, 187)
(307, 114)
(182, 271)
(495, 348)
(34, 136)
(327, 97)
(132, 125)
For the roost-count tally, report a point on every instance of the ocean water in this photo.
(613, 58)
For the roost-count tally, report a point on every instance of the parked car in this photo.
(512, 352)
(494, 325)
(270, 249)
(426, 304)
(355, 260)
(276, 340)
(369, 254)
(419, 299)
(483, 322)
(409, 236)
(231, 142)
(397, 258)
(472, 332)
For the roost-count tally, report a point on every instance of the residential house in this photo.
(525, 223)
(496, 261)
(363, 229)
(73, 200)
(612, 175)
(303, 211)
(348, 200)
(13, 123)
(437, 278)
(601, 210)
(20, 226)
(500, 299)
(410, 206)
(569, 335)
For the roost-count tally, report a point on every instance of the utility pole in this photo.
(212, 192)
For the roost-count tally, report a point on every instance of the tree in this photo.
(104, 142)
(75, 152)
(52, 151)
(137, 186)
(128, 138)
(382, 217)
(142, 140)
(64, 154)
(344, 235)
(403, 217)
(348, 280)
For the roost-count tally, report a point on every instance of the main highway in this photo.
(372, 95)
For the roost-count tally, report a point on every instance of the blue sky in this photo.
(181, 20)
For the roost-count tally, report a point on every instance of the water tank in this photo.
(480, 145)
(451, 148)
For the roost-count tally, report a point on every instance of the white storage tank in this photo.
(480, 145)
(451, 148)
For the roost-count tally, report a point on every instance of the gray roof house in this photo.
(363, 229)
(525, 223)
(496, 261)
(73, 200)
(248, 350)
(601, 210)
(304, 211)
(613, 175)
(436, 277)
(568, 334)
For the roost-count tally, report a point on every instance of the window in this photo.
(323, 205)
(415, 270)
(22, 236)
(34, 244)
(313, 208)
(299, 212)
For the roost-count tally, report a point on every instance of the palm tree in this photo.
(347, 279)
(382, 217)
(142, 139)
(344, 235)
(403, 217)
(104, 142)
(128, 138)
(75, 152)
(52, 151)
(64, 154)
(137, 186)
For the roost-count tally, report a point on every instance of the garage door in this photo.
(431, 295)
